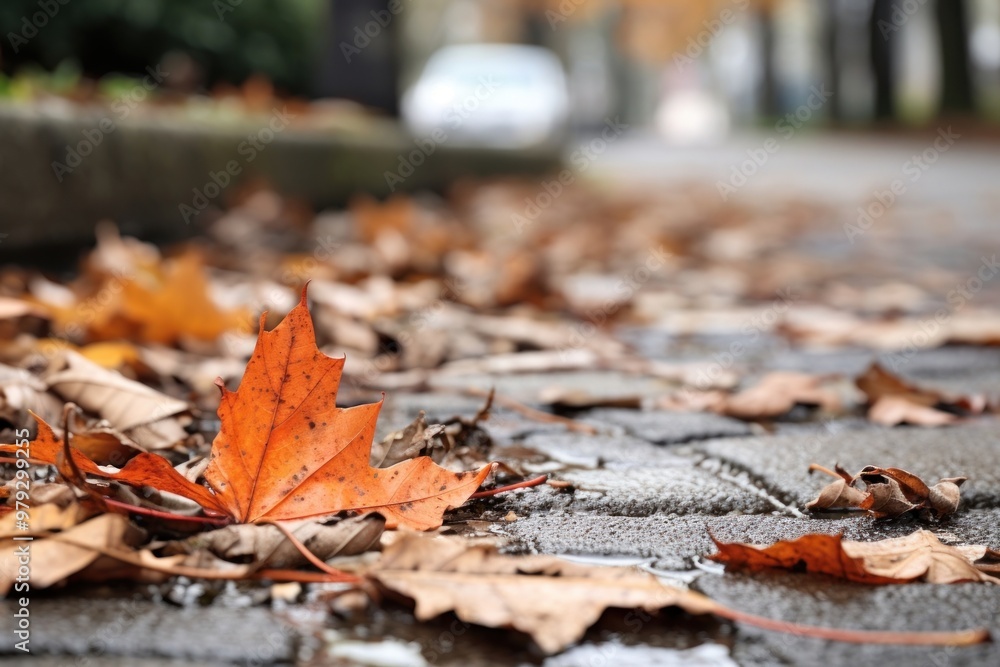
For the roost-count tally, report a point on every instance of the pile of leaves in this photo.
(288, 482)
(117, 374)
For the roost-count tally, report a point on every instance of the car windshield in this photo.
(513, 69)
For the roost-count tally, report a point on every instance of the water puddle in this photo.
(613, 653)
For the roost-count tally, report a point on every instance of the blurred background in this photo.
(743, 61)
(162, 116)
(593, 183)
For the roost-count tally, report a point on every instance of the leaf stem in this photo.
(953, 638)
(309, 555)
(510, 487)
(160, 514)
(815, 467)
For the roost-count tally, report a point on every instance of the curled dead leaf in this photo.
(22, 393)
(838, 494)
(887, 493)
(886, 500)
(945, 496)
(416, 439)
(267, 546)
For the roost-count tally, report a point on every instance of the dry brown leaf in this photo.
(916, 557)
(552, 600)
(693, 400)
(150, 418)
(886, 500)
(102, 548)
(944, 497)
(829, 327)
(779, 392)
(876, 382)
(896, 410)
(838, 494)
(54, 560)
(267, 546)
(416, 439)
(922, 556)
(894, 401)
(21, 393)
(43, 518)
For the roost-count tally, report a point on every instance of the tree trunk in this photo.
(957, 95)
(769, 106)
(831, 51)
(881, 33)
(361, 61)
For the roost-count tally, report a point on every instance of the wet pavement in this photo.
(648, 489)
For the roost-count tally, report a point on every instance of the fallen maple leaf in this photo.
(177, 306)
(139, 298)
(918, 556)
(286, 451)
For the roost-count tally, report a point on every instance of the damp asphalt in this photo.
(649, 492)
(648, 489)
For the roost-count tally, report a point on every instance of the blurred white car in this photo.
(497, 95)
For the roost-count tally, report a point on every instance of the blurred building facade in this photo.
(672, 62)
(743, 60)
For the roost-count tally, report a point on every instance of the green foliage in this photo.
(230, 39)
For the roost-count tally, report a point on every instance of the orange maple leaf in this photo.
(286, 451)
